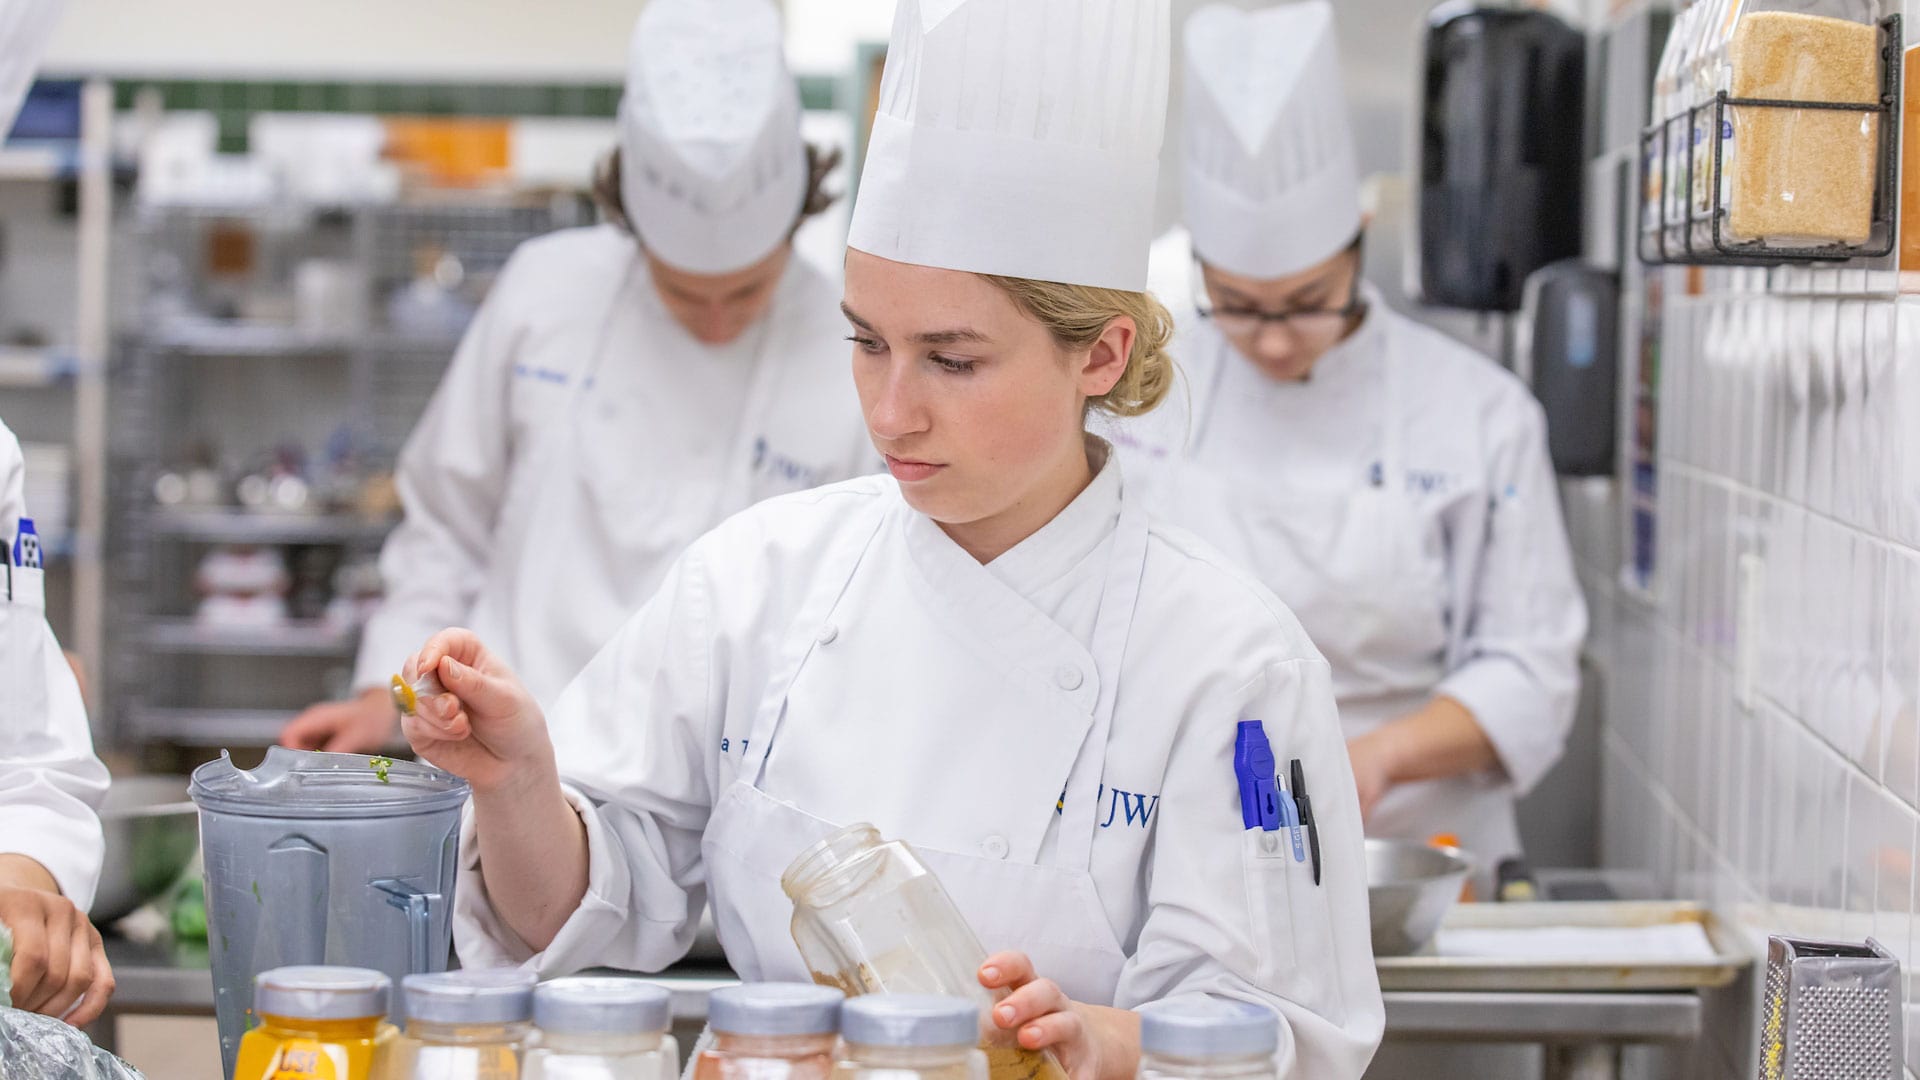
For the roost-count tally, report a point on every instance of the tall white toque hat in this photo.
(1019, 138)
(1271, 184)
(712, 167)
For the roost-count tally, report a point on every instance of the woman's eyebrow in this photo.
(854, 319)
(950, 337)
(1318, 288)
(1312, 289)
(953, 336)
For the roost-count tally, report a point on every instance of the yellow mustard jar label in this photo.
(304, 1059)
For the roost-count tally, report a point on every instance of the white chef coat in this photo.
(970, 710)
(582, 438)
(50, 781)
(1401, 502)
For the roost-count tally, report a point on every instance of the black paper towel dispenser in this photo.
(1500, 150)
(1572, 320)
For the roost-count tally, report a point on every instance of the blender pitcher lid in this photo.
(306, 784)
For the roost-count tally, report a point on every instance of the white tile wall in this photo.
(1789, 430)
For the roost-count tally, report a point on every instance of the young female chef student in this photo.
(1391, 486)
(627, 386)
(992, 653)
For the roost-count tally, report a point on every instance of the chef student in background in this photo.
(993, 653)
(1391, 486)
(627, 386)
(50, 783)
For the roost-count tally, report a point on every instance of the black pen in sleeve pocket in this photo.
(1305, 806)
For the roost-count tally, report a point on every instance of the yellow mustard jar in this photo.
(317, 1023)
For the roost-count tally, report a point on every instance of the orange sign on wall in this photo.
(452, 151)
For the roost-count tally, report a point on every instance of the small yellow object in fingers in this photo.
(406, 696)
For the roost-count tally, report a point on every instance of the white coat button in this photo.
(827, 633)
(995, 847)
(1068, 677)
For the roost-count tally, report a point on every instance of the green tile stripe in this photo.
(234, 102)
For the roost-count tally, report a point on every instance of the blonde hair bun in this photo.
(1076, 316)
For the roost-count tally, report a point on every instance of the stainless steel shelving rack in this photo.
(173, 680)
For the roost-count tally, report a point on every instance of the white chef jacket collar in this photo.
(1073, 535)
(996, 604)
(1044, 557)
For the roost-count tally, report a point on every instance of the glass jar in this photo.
(870, 918)
(602, 1029)
(1802, 176)
(1205, 1039)
(464, 1025)
(316, 1023)
(910, 1037)
(770, 1031)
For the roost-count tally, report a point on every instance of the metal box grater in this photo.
(1831, 1011)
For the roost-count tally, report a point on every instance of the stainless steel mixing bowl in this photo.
(1410, 887)
(152, 832)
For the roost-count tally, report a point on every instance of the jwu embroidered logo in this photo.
(1418, 481)
(1138, 809)
(1117, 806)
(540, 374)
(786, 470)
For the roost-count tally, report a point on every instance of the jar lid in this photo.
(775, 1009)
(321, 993)
(910, 1020)
(494, 996)
(1189, 1027)
(601, 1004)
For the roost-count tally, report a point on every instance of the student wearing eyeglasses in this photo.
(1390, 485)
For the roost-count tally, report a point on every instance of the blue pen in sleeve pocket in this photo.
(1253, 770)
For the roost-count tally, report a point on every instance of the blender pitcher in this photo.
(331, 859)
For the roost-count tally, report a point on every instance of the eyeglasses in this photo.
(1305, 322)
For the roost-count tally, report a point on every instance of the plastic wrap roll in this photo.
(38, 1047)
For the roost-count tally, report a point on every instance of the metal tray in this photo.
(1430, 972)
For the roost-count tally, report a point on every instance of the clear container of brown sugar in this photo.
(1794, 177)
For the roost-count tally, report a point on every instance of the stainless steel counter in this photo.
(160, 978)
(1581, 1032)
(1544, 1017)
